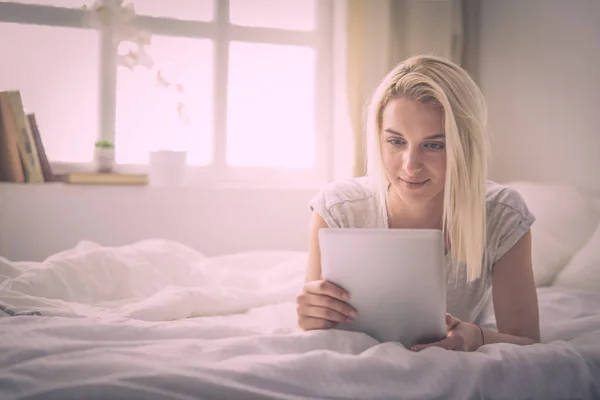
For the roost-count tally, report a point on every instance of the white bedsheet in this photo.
(156, 320)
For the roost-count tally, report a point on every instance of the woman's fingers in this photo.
(310, 323)
(452, 321)
(326, 288)
(325, 313)
(327, 302)
(449, 343)
(324, 307)
(316, 317)
(454, 340)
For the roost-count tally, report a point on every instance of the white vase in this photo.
(104, 159)
(167, 168)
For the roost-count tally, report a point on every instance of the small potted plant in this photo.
(104, 156)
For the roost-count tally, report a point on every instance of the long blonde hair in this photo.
(432, 79)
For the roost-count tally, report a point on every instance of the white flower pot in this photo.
(104, 159)
(167, 168)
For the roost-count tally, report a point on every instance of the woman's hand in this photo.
(322, 305)
(461, 336)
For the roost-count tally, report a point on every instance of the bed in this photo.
(156, 319)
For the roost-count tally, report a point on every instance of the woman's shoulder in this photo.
(500, 196)
(345, 190)
(342, 203)
(508, 217)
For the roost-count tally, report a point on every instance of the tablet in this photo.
(396, 280)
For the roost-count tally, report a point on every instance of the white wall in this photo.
(39, 220)
(539, 68)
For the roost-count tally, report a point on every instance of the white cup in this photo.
(167, 168)
(104, 159)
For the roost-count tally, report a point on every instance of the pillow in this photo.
(566, 218)
(583, 271)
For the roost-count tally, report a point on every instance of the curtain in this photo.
(382, 33)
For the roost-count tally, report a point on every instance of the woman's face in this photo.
(414, 150)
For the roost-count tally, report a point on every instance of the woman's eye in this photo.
(435, 146)
(396, 141)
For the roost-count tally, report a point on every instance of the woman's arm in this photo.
(321, 305)
(515, 306)
(515, 297)
(313, 271)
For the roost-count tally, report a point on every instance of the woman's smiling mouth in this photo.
(413, 184)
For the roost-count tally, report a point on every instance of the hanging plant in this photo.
(118, 19)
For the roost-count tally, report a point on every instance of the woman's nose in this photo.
(412, 162)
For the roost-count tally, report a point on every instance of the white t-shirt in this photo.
(350, 203)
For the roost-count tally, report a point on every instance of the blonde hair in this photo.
(431, 79)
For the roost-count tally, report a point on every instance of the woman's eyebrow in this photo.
(436, 136)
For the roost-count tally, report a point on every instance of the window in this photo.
(145, 113)
(59, 83)
(270, 101)
(256, 73)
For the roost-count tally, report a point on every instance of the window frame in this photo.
(221, 32)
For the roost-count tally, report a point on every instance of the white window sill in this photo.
(222, 177)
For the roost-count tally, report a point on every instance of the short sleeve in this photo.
(344, 203)
(509, 219)
(320, 205)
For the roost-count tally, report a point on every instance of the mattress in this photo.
(158, 320)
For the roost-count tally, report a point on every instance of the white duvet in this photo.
(157, 320)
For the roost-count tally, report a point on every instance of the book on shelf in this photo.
(39, 145)
(22, 153)
(16, 121)
(96, 178)
(11, 168)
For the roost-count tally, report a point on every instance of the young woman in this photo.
(427, 169)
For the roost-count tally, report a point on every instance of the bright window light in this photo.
(147, 117)
(282, 14)
(265, 95)
(58, 82)
(270, 113)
